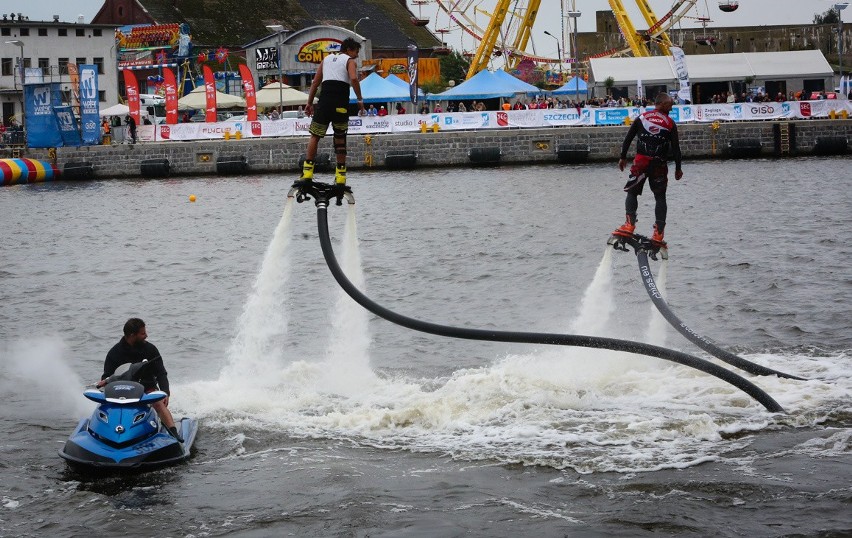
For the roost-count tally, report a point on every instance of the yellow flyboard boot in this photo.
(340, 174)
(307, 171)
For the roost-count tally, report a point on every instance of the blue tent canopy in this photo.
(402, 84)
(375, 89)
(485, 85)
(574, 86)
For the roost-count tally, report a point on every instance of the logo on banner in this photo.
(41, 100)
(165, 132)
(738, 111)
(313, 52)
(398, 69)
(88, 84)
(785, 108)
(485, 119)
(805, 109)
(256, 128)
(762, 110)
(502, 119)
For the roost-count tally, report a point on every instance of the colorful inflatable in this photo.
(14, 171)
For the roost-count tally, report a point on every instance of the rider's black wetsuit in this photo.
(657, 138)
(154, 376)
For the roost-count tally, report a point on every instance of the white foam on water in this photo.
(588, 410)
(657, 324)
(38, 369)
(262, 327)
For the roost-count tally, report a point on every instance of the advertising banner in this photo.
(90, 105)
(249, 92)
(170, 86)
(684, 93)
(42, 130)
(131, 90)
(412, 73)
(210, 94)
(67, 123)
(74, 76)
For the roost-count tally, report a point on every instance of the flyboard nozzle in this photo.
(322, 192)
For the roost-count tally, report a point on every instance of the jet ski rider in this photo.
(133, 348)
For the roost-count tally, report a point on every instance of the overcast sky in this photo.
(750, 13)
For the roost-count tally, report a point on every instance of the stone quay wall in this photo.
(449, 148)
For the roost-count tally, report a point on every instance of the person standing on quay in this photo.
(657, 134)
(336, 73)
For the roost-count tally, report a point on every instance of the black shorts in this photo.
(336, 114)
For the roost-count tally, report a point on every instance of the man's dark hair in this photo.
(350, 43)
(133, 326)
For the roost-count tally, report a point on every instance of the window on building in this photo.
(63, 32)
(6, 31)
(63, 66)
(100, 63)
(44, 65)
(102, 96)
(81, 32)
(97, 32)
(42, 32)
(80, 61)
(6, 66)
(24, 31)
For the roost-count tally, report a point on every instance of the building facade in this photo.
(47, 48)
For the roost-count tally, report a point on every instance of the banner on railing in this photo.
(523, 119)
(42, 130)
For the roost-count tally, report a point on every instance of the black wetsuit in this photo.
(656, 135)
(155, 376)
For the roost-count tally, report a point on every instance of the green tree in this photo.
(829, 17)
(454, 66)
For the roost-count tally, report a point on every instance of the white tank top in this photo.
(334, 67)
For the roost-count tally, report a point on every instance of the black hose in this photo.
(701, 341)
(531, 338)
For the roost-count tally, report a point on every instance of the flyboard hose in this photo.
(701, 341)
(638, 348)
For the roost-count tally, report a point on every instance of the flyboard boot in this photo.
(340, 174)
(627, 229)
(307, 174)
(657, 236)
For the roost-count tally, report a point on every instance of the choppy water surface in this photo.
(319, 418)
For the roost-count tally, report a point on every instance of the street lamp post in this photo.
(355, 26)
(576, 15)
(278, 28)
(20, 44)
(840, 8)
(558, 52)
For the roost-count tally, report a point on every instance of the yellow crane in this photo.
(634, 41)
(638, 43)
(489, 38)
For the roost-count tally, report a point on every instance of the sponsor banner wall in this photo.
(552, 117)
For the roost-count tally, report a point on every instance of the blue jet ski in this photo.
(124, 431)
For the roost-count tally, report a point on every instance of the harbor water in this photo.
(319, 418)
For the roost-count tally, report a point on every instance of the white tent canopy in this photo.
(269, 96)
(800, 64)
(197, 100)
(115, 110)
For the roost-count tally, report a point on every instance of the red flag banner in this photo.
(249, 91)
(131, 90)
(170, 85)
(210, 92)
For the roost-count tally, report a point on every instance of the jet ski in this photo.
(124, 431)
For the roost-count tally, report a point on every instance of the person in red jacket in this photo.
(657, 137)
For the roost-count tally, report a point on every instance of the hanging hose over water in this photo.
(701, 341)
(322, 200)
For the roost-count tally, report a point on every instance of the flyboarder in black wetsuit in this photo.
(657, 135)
